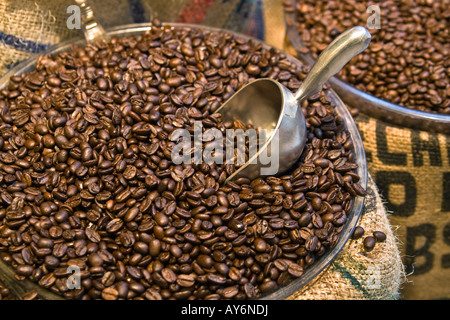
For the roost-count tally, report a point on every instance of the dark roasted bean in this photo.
(369, 243)
(185, 280)
(358, 232)
(379, 236)
(110, 293)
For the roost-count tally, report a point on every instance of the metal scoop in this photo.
(267, 104)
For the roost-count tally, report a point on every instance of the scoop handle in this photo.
(333, 59)
(93, 31)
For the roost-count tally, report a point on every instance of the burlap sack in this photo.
(29, 27)
(412, 170)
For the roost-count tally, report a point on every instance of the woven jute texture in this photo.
(412, 171)
(30, 27)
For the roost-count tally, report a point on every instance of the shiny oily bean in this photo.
(369, 243)
(358, 232)
(185, 280)
(379, 236)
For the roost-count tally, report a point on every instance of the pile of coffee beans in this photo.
(408, 60)
(89, 190)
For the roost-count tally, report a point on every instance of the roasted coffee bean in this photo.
(24, 270)
(114, 225)
(154, 247)
(358, 232)
(110, 293)
(295, 270)
(185, 280)
(216, 279)
(276, 223)
(161, 219)
(205, 261)
(168, 275)
(268, 286)
(379, 236)
(230, 292)
(236, 226)
(369, 243)
(260, 245)
(31, 295)
(92, 235)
